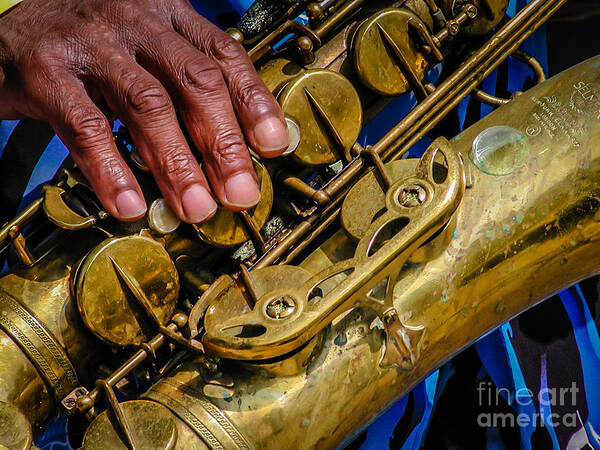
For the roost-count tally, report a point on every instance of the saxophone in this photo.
(295, 324)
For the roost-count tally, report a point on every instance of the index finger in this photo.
(257, 110)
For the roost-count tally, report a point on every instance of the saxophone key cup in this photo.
(386, 58)
(329, 115)
(228, 229)
(120, 283)
(152, 427)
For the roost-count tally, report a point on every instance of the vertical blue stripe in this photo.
(498, 355)
(545, 404)
(45, 169)
(6, 129)
(428, 390)
(588, 345)
(462, 110)
(382, 430)
(590, 324)
(489, 86)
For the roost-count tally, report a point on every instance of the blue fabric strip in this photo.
(588, 345)
(382, 430)
(6, 129)
(500, 360)
(45, 169)
(545, 404)
(427, 391)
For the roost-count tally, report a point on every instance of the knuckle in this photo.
(248, 94)
(89, 128)
(148, 98)
(201, 76)
(38, 56)
(177, 166)
(228, 148)
(225, 47)
(47, 52)
(109, 167)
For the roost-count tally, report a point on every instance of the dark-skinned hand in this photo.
(73, 62)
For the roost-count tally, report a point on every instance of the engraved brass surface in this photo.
(227, 228)
(104, 288)
(55, 334)
(190, 405)
(328, 112)
(42, 347)
(385, 55)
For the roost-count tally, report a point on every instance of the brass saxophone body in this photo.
(295, 324)
(527, 227)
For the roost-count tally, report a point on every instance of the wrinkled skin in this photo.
(76, 62)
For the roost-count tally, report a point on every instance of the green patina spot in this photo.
(341, 339)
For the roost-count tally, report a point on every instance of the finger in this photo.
(197, 84)
(257, 110)
(146, 109)
(88, 135)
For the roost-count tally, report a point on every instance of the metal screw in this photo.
(412, 195)
(281, 307)
(471, 11)
(453, 28)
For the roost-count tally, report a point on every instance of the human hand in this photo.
(73, 62)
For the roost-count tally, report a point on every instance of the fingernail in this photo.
(242, 191)
(198, 204)
(271, 135)
(130, 205)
